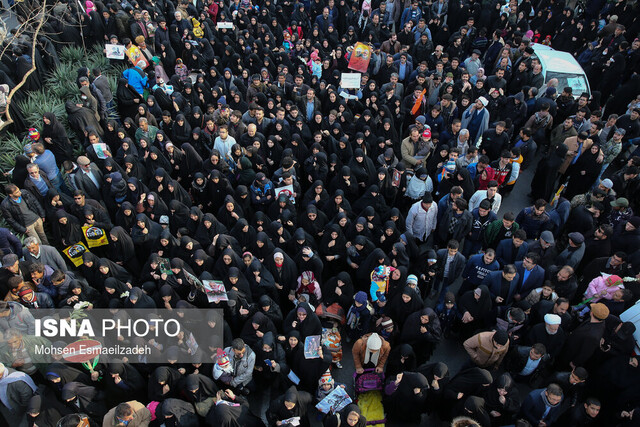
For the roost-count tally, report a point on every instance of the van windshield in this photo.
(577, 82)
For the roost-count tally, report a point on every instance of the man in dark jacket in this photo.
(502, 286)
(583, 414)
(528, 363)
(530, 274)
(9, 243)
(88, 178)
(583, 217)
(564, 281)
(572, 383)
(560, 308)
(585, 339)
(542, 407)
(545, 248)
(596, 245)
(513, 249)
(23, 213)
(494, 141)
(626, 237)
(455, 223)
(614, 264)
(451, 264)
(626, 182)
(534, 219)
(11, 267)
(550, 334)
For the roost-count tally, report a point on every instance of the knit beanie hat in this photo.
(361, 297)
(222, 359)
(613, 280)
(326, 378)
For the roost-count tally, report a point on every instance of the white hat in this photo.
(374, 342)
(552, 319)
(483, 100)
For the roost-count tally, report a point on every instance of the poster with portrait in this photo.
(312, 346)
(114, 51)
(360, 57)
(135, 55)
(336, 401)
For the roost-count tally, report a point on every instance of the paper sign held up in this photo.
(350, 80)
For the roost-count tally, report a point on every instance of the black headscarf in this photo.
(166, 376)
(278, 411)
(471, 381)
(138, 299)
(60, 145)
(405, 397)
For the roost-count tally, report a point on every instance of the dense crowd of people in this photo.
(370, 217)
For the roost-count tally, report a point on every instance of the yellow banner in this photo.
(75, 252)
(95, 236)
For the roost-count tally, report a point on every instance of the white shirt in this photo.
(480, 195)
(421, 223)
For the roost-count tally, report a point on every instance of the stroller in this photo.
(369, 387)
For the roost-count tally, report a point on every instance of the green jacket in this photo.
(491, 232)
(610, 150)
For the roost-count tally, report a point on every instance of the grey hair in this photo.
(30, 241)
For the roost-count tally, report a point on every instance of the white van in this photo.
(562, 66)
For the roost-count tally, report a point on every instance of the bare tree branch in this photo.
(9, 38)
(34, 42)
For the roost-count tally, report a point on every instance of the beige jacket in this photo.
(483, 353)
(572, 145)
(141, 416)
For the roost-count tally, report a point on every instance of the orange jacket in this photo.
(360, 348)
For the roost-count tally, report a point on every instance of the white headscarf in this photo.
(374, 343)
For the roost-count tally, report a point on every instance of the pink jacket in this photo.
(598, 285)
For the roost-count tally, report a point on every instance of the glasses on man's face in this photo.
(77, 198)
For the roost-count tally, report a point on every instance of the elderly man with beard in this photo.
(549, 333)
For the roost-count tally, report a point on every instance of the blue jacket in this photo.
(46, 286)
(259, 195)
(407, 72)
(47, 163)
(533, 409)
(504, 254)
(9, 243)
(533, 225)
(408, 14)
(476, 270)
(135, 79)
(443, 205)
(534, 280)
(493, 281)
